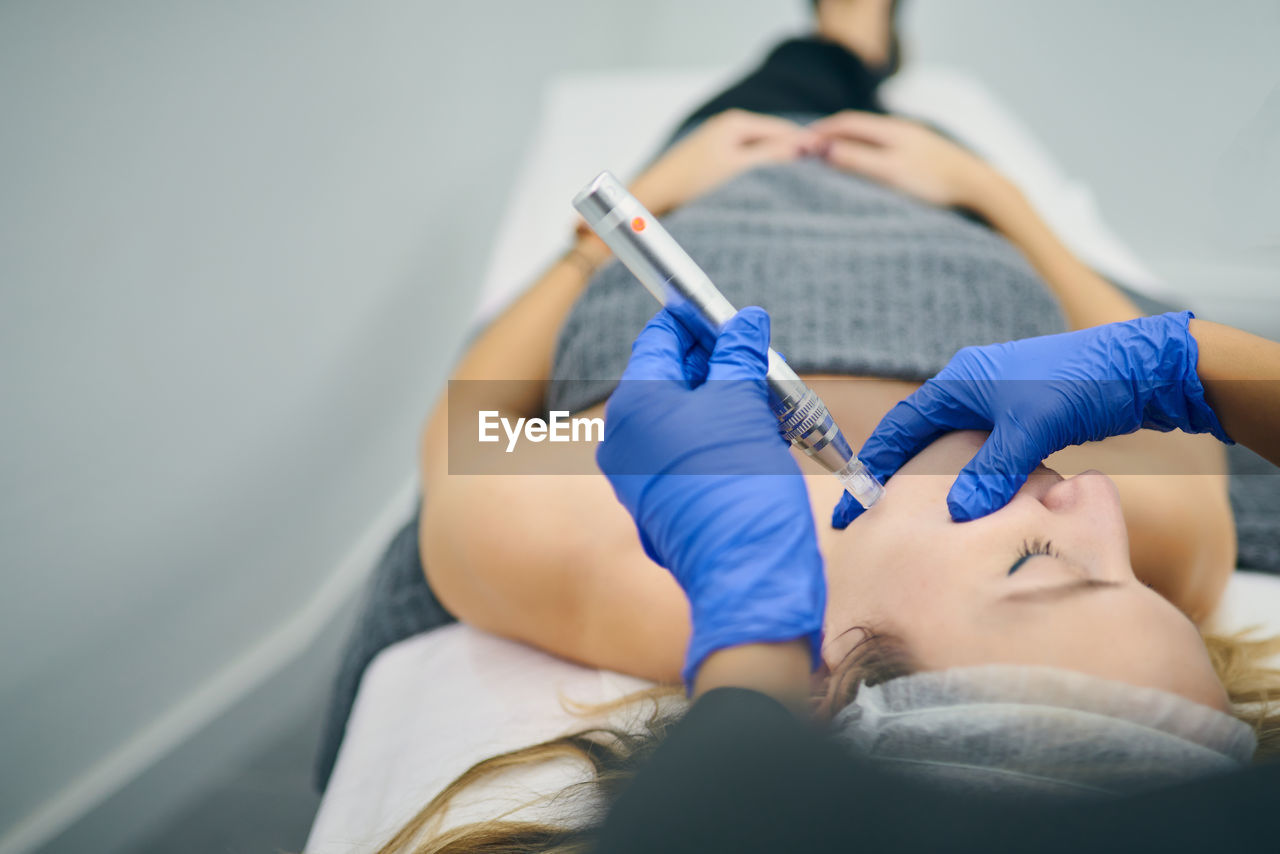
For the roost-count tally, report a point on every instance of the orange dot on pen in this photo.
(638, 224)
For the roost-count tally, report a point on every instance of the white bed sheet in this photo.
(432, 705)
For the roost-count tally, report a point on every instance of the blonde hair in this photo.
(1242, 662)
(1239, 659)
(612, 755)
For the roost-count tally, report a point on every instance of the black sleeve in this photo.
(740, 773)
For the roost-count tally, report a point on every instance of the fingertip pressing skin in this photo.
(961, 504)
(845, 512)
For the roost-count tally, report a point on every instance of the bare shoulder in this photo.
(552, 560)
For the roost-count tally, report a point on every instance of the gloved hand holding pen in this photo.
(693, 452)
(1040, 395)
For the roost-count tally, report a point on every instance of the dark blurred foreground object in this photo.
(740, 773)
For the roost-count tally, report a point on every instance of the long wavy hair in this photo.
(614, 754)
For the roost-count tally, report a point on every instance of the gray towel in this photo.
(1030, 733)
(858, 279)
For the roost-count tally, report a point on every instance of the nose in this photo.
(1089, 488)
(1087, 521)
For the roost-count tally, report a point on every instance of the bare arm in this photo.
(1241, 377)
(517, 347)
(1086, 298)
(780, 670)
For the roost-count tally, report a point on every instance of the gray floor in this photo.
(265, 804)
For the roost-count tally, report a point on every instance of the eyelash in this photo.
(1031, 548)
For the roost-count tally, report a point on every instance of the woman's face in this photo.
(964, 593)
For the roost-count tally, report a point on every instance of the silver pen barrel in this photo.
(652, 255)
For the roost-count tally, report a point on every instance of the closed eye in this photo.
(1062, 591)
(1031, 548)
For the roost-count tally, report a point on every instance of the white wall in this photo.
(239, 241)
(1170, 109)
(238, 244)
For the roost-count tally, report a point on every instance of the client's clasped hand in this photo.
(1039, 395)
(693, 452)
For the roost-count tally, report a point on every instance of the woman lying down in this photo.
(1051, 648)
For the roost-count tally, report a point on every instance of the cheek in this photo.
(919, 593)
(876, 569)
(903, 558)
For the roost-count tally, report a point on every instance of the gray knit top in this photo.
(858, 279)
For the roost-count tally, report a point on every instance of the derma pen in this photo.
(676, 281)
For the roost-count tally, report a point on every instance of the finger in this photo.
(696, 364)
(660, 351)
(995, 473)
(861, 158)
(904, 431)
(861, 126)
(778, 150)
(846, 511)
(750, 126)
(742, 349)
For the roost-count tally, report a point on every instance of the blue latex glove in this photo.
(693, 452)
(1040, 395)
